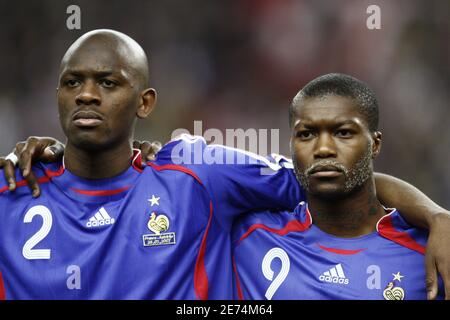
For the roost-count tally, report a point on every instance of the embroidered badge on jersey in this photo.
(393, 291)
(158, 224)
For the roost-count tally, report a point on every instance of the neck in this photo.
(353, 215)
(98, 164)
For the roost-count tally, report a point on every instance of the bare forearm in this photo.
(413, 204)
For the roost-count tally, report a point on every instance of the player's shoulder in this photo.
(21, 184)
(180, 150)
(395, 228)
(187, 149)
(175, 156)
(276, 222)
(183, 140)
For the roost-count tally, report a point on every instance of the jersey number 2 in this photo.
(268, 272)
(27, 250)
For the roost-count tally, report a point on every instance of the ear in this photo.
(147, 103)
(376, 146)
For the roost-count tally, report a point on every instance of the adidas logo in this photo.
(99, 219)
(334, 275)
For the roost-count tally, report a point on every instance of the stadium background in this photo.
(237, 64)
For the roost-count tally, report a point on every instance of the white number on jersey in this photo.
(268, 272)
(27, 250)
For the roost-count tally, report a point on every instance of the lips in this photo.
(325, 168)
(328, 171)
(88, 119)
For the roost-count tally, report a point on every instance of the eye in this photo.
(106, 83)
(344, 133)
(72, 83)
(305, 134)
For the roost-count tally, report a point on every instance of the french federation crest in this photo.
(392, 290)
(158, 224)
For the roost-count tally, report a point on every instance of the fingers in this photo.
(9, 167)
(35, 148)
(447, 289)
(136, 144)
(431, 281)
(32, 149)
(437, 258)
(150, 149)
(444, 272)
(52, 150)
(52, 153)
(10, 174)
(156, 146)
(43, 149)
(9, 170)
(146, 150)
(33, 184)
(26, 156)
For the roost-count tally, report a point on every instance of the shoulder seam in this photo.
(175, 167)
(387, 230)
(293, 225)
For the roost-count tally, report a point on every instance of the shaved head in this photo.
(103, 90)
(114, 45)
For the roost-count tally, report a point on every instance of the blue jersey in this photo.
(160, 231)
(284, 256)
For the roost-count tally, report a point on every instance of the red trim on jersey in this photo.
(238, 283)
(100, 193)
(57, 173)
(138, 169)
(291, 226)
(387, 230)
(308, 214)
(2, 288)
(136, 163)
(48, 175)
(23, 183)
(340, 251)
(200, 275)
(175, 167)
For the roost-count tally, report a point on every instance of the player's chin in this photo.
(89, 140)
(327, 190)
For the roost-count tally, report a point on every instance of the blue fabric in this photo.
(90, 254)
(321, 266)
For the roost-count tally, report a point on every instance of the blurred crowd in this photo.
(238, 64)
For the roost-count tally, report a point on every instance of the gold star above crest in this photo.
(154, 200)
(397, 276)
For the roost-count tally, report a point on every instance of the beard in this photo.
(354, 177)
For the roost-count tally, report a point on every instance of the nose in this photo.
(325, 147)
(88, 94)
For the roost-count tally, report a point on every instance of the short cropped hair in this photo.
(341, 85)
